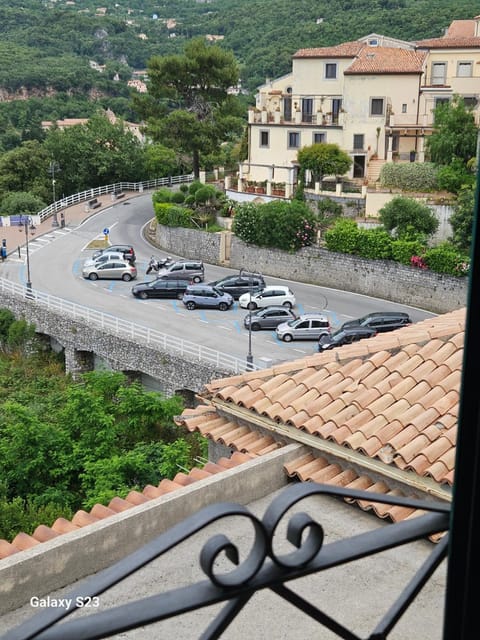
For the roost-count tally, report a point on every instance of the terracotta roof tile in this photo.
(62, 525)
(23, 541)
(386, 60)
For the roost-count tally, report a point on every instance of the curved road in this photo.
(56, 261)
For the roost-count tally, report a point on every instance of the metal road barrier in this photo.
(116, 326)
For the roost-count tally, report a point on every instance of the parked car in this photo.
(237, 285)
(345, 336)
(104, 257)
(274, 295)
(381, 321)
(184, 270)
(308, 326)
(268, 317)
(126, 250)
(114, 269)
(160, 289)
(206, 296)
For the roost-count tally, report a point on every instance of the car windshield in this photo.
(217, 291)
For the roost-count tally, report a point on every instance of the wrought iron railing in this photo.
(263, 568)
(111, 324)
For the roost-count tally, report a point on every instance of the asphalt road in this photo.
(55, 268)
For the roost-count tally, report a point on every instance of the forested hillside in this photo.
(49, 43)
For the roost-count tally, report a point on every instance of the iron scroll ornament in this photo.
(262, 568)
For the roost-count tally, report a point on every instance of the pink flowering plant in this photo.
(418, 261)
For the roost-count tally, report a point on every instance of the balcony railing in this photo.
(265, 567)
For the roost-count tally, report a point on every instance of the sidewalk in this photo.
(73, 216)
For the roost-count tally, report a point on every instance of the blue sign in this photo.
(106, 231)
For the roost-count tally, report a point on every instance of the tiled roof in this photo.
(23, 541)
(344, 50)
(390, 401)
(460, 34)
(380, 60)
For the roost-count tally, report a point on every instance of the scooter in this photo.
(155, 265)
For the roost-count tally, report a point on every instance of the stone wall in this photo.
(383, 279)
(173, 371)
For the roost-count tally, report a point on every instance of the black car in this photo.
(345, 336)
(160, 289)
(126, 250)
(239, 284)
(268, 317)
(381, 321)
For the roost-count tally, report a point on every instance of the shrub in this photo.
(374, 244)
(189, 200)
(246, 222)
(172, 215)
(455, 176)
(194, 186)
(162, 195)
(6, 320)
(411, 176)
(343, 237)
(204, 194)
(403, 250)
(404, 215)
(178, 197)
(446, 259)
(184, 188)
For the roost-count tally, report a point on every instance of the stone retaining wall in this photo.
(173, 371)
(383, 279)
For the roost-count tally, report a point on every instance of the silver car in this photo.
(309, 326)
(114, 269)
(105, 257)
(268, 318)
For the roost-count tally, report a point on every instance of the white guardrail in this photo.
(116, 326)
(118, 187)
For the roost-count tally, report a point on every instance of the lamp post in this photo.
(54, 167)
(249, 354)
(26, 223)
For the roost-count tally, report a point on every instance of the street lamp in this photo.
(249, 354)
(27, 223)
(54, 167)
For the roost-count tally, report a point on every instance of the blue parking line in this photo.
(111, 286)
(77, 267)
(203, 316)
(301, 309)
(238, 326)
(176, 306)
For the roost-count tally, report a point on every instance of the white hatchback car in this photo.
(273, 295)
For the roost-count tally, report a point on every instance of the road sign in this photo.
(106, 231)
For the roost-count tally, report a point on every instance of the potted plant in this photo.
(261, 187)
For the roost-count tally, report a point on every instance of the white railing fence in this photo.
(116, 326)
(118, 187)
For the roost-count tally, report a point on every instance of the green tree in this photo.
(94, 154)
(193, 110)
(454, 135)
(461, 220)
(25, 169)
(161, 161)
(324, 159)
(405, 216)
(21, 202)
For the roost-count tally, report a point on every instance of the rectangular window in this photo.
(439, 72)
(293, 140)
(319, 137)
(331, 70)
(377, 106)
(358, 141)
(264, 138)
(470, 101)
(464, 69)
(307, 110)
(404, 108)
(439, 101)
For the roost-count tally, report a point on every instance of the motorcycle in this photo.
(156, 265)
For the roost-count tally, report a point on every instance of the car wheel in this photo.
(143, 295)
(251, 305)
(288, 304)
(190, 305)
(126, 277)
(93, 276)
(196, 279)
(255, 326)
(223, 306)
(179, 295)
(287, 337)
